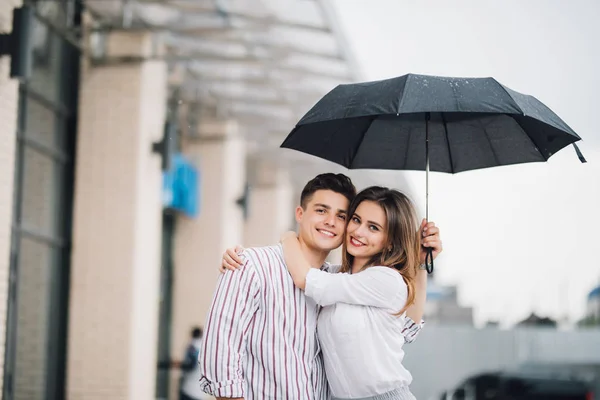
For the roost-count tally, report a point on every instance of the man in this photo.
(260, 340)
(190, 372)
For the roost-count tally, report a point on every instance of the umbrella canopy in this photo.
(473, 123)
(419, 122)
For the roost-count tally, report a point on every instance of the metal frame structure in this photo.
(261, 62)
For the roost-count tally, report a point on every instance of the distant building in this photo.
(593, 303)
(592, 312)
(442, 306)
(492, 324)
(537, 321)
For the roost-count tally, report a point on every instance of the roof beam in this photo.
(258, 43)
(249, 86)
(257, 22)
(296, 70)
(201, 9)
(182, 30)
(202, 78)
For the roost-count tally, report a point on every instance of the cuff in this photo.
(411, 329)
(232, 388)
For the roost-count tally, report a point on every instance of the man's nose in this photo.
(330, 220)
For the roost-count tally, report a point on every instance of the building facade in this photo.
(109, 255)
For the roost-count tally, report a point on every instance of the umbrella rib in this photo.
(362, 139)
(491, 147)
(509, 95)
(537, 148)
(448, 143)
(401, 102)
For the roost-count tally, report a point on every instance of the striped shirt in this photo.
(260, 339)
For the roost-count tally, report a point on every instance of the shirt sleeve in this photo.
(375, 287)
(411, 329)
(333, 268)
(233, 306)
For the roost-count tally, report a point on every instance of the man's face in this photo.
(322, 223)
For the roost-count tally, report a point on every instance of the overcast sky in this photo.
(521, 238)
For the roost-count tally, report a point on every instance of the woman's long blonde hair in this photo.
(402, 247)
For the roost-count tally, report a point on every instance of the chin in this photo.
(328, 246)
(352, 251)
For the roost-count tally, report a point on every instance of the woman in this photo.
(379, 291)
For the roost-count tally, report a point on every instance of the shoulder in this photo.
(266, 257)
(381, 270)
(386, 273)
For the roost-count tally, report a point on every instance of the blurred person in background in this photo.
(190, 372)
(370, 308)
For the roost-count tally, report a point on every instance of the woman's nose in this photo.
(359, 231)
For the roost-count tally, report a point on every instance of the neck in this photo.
(315, 257)
(358, 264)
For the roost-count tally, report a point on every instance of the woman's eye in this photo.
(373, 228)
(356, 220)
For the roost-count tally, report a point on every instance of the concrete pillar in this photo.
(271, 204)
(9, 96)
(219, 154)
(114, 295)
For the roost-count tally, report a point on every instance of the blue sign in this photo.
(181, 185)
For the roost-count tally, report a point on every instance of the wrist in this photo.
(421, 274)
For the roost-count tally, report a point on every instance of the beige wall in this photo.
(116, 230)
(272, 204)
(8, 128)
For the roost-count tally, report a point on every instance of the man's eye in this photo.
(342, 217)
(320, 211)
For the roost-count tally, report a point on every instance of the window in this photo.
(40, 244)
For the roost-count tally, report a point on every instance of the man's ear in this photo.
(299, 213)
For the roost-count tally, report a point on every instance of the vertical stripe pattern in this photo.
(411, 329)
(260, 335)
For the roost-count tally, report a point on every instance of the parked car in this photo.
(520, 386)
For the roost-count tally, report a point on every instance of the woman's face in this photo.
(366, 234)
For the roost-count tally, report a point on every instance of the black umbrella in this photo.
(418, 122)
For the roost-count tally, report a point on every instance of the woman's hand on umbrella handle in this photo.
(430, 241)
(232, 259)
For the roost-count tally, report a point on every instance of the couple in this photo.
(261, 332)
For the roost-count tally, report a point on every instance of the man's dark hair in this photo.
(338, 183)
(197, 332)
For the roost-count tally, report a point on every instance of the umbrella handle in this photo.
(429, 255)
(429, 261)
